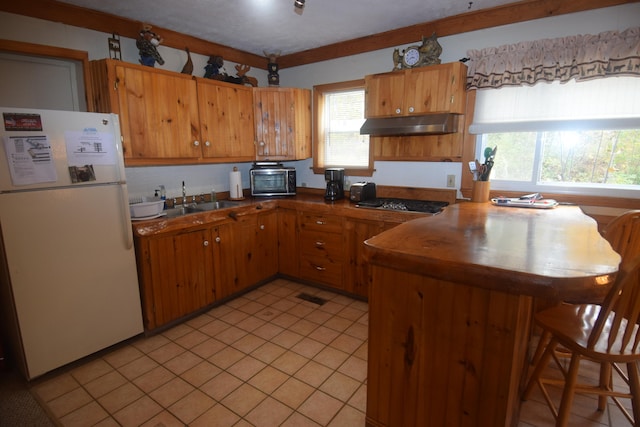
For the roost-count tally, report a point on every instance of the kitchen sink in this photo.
(199, 207)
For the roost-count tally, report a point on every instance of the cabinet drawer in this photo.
(321, 269)
(324, 223)
(316, 243)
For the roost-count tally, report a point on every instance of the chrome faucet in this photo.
(184, 194)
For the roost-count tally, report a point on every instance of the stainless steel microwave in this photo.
(272, 179)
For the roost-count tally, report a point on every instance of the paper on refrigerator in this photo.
(30, 159)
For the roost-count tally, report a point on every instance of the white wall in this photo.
(427, 174)
(200, 179)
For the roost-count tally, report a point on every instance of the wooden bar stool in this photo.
(607, 333)
(623, 234)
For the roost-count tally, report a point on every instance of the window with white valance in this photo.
(565, 120)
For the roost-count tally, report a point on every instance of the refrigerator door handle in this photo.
(126, 220)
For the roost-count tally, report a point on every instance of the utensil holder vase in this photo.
(480, 191)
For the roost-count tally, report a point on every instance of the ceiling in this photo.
(256, 26)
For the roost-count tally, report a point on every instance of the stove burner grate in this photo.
(409, 205)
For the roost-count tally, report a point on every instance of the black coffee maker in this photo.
(335, 183)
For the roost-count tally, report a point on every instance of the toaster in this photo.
(361, 191)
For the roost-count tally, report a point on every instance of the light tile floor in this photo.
(267, 359)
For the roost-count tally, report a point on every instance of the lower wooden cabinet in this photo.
(181, 272)
(288, 242)
(176, 275)
(321, 244)
(357, 274)
(246, 251)
(224, 241)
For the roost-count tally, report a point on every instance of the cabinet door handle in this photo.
(398, 111)
(207, 144)
(261, 226)
(218, 239)
(196, 143)
(411, 109)
(205, 243)
(319, 243)
(261, 143)
(452, 99)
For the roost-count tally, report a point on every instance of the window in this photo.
(339, 114)
(563, 138)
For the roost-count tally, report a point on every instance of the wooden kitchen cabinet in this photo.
(176, 275)
(434, 148)
(432, 89)
(248, 251)
(288, 252)
(321, 244)
(282, 123)
(357, 274)
(226, 121)
(264, 261)
(224, 238)
(158, 111)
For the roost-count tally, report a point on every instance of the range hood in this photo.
(430, 124)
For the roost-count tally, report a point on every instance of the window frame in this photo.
(319, 93)
(621, 191)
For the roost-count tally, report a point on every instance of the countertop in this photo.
(314, 203)
(551, 253)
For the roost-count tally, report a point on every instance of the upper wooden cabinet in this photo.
(432, 89)
(226, 121)
(158, 111)
(171, 118)
(283, 123)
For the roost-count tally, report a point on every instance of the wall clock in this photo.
(411, 57)
(428, 53)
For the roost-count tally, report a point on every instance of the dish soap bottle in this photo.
(163, 196)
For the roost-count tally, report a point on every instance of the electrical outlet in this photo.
(451, 181)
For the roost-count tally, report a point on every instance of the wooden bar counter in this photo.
(450, 308)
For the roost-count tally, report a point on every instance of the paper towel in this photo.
(235, 184)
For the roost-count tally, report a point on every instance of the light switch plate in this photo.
(451, 181)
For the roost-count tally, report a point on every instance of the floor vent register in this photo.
(311, 298)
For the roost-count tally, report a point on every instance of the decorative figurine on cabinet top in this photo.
(272, 68)
(188, 66)
(212, 69)
(242, 75)
(215, 70)
(428, 53)
(146, 45)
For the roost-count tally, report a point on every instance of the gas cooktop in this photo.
(409, 205)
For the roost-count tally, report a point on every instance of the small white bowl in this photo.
(145, 209)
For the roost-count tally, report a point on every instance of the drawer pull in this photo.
(320, 222)
(320, 268)
(319, 243)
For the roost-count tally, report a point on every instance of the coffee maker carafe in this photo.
(335, 183)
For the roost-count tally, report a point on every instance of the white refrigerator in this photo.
(68, 279)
